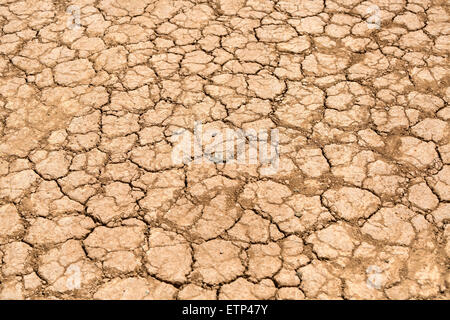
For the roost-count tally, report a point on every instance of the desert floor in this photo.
(352, 97)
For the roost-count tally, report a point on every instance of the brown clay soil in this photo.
(93, 206)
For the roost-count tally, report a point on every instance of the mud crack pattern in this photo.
(93, 206)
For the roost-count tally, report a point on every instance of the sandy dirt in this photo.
(94, 205)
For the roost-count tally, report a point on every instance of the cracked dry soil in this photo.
(92, 205)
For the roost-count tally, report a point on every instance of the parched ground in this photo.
(92, 205)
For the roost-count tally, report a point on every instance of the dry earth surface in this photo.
(93, 206)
